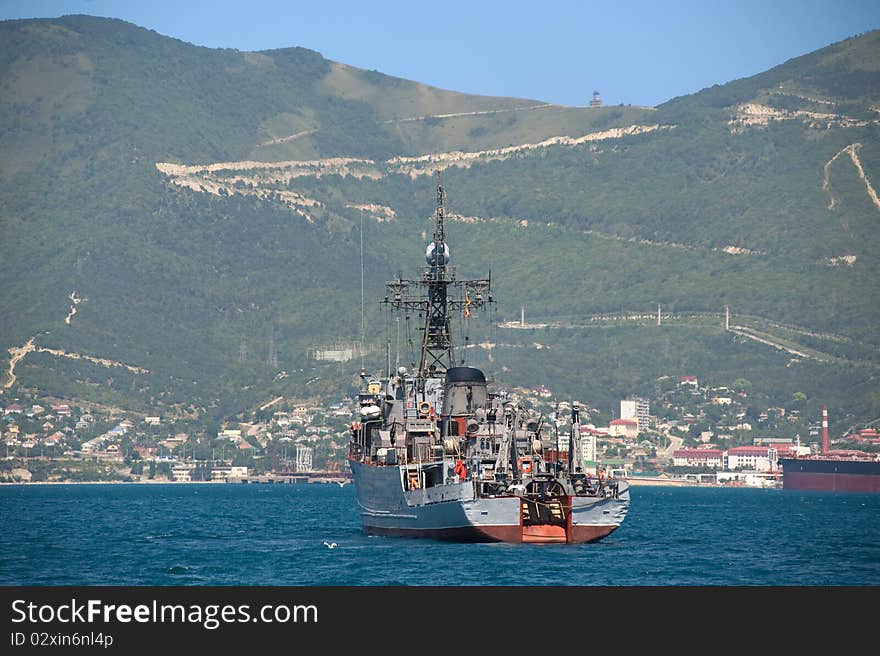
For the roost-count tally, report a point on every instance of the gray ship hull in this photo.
(452, 511)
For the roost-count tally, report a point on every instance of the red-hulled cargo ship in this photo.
(833, 470)
(831, 473)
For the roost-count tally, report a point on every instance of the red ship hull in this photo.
(829, 475)
(513, 534)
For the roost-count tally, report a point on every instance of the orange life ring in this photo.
(526, 464)
(425, 408)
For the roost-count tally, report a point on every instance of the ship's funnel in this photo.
(464, 391)
(825, 444)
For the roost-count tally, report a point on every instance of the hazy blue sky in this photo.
(637, 52)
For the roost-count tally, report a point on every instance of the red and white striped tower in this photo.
(825, 445)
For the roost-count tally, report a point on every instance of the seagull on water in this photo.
(329, 545)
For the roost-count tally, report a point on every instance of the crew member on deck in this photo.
(460, 469)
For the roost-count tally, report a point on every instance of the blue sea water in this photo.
(274, 535)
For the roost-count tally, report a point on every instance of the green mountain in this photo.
(203, 212)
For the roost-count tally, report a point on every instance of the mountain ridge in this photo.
(719, 204)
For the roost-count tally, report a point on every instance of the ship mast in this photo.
(574, 442)
(437, 348)
(441, 295)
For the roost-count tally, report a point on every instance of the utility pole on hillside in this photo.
(272, 357)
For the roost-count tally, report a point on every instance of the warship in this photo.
(436, 453)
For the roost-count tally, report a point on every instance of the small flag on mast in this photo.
(467, 304)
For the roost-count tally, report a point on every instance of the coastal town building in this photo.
(712, 458)
(227, 472)
(182, 472)
(146, 450)
(758, 458)
(624, 427)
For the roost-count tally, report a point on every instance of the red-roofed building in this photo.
(869, 435)
(54, 439)
(698, 458)
(62, 410)
(146, 450)
(625, 427)
(788, 450)
(688, 380)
